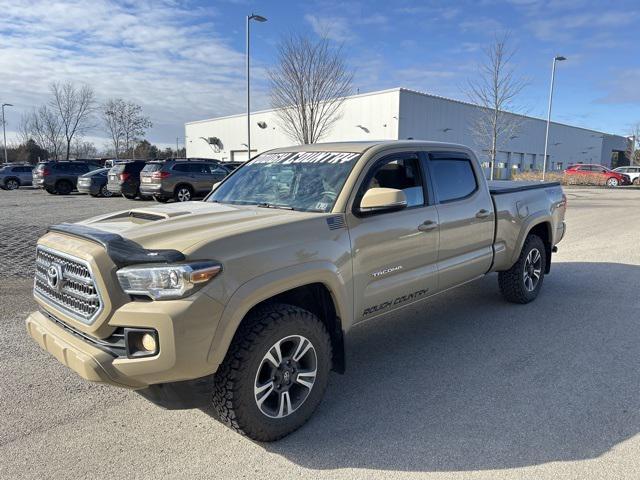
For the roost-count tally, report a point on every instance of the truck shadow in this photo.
(466, 381)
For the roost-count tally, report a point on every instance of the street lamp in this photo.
(257, 18)
(4, 131)
(557, 58)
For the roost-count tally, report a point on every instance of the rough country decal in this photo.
(289, 158)
(397, 301)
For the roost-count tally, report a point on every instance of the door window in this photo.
(454, 178)
(399, 173)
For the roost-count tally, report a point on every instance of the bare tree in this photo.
(634, 142)
(125, 123)
(495, 89)
(308, 87)
(84, 149)
(45, 127)
(75, 107)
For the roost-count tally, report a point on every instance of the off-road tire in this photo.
(512, 281)
(64, 187)
(233, 400)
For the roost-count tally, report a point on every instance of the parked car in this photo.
(241, 304)
(13, 176)
(61, 177)
(180, 179)
(232, 165)
(124, 178)
(598, 172)
(95, 183)
(632, 172)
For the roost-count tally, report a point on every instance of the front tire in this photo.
(12, 184)
(612, 182)
(275, 373)
(523, 281)
(105, 192)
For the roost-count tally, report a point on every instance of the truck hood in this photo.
(181, 225)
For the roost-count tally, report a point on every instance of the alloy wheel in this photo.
(612, 182)
(11, 184)
(184, 195)
(285, 376)
(532, 269)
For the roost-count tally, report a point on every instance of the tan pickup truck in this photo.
(240, 303)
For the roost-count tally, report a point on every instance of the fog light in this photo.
(140, 342)
(148, 342)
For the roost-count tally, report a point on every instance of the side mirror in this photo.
(382, 200)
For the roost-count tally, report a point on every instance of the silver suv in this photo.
(180, 179)
(13, 176)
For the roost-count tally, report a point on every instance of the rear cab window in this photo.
(453, 176)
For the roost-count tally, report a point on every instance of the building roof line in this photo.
(258, 112)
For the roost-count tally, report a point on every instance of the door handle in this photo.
(427, 226)
(483, 213)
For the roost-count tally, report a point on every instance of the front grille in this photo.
(66, 283)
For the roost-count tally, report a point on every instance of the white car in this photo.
(632, 172)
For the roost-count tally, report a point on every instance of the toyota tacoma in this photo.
(240, 303)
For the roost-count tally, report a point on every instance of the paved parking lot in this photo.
(463, 386)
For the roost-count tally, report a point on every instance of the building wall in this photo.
(364, 117)
(400, 114)
(435, 118)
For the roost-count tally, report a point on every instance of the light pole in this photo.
(257, 18)
(557, 58)
(4, 131)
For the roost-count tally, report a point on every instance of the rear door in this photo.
(394, 253)
(465, 212)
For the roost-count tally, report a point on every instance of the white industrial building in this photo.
(400, 113)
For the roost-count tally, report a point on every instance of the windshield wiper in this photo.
(273, 205)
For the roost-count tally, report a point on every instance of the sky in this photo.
(184, 60)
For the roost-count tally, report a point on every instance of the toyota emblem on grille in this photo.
(54, 276)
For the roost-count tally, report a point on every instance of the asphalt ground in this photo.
(463, 386)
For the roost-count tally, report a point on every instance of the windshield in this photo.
(307, 181)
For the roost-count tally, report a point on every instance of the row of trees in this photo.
(60, 126)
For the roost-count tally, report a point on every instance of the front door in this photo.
(394, 253)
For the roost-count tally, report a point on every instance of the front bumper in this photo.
(185, 332)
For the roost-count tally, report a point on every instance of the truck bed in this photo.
(498, 187)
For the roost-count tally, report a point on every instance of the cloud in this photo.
(623, 89)
(169, 58)
(334, 28)
(565, 27)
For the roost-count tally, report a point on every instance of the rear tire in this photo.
(183, 193)
(105, 192)
(50, 191)
(63, 187)
(263, 401)
(636, 181)
(523, 281)
(129, 197)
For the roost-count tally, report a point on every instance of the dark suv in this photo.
(61, 177)
(14, 176)
(180, 179)
(124, 178)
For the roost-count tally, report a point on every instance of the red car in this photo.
(611, 178)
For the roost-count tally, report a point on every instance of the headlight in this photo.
(167, 281)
